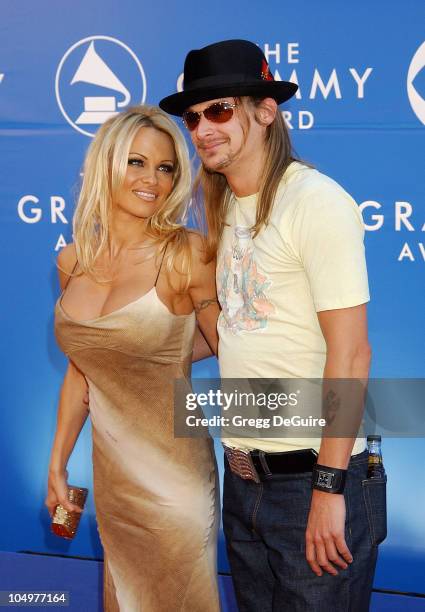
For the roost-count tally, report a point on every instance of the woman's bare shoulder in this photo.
(66, 260)
(196, 241)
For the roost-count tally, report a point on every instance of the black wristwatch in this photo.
(328, 479)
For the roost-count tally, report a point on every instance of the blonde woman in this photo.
(134, 285)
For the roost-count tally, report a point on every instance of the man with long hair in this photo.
(301, 531)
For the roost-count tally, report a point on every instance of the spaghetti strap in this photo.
(70, 276)
(160, 265)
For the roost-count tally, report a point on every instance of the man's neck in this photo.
(244, 178)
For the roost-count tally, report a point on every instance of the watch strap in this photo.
(328, 479)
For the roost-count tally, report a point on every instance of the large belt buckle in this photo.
(241, 464)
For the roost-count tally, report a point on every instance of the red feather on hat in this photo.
(266, 75)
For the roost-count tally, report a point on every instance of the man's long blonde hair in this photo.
(212, 189)
(105, 167)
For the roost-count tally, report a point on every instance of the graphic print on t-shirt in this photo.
(241, 287)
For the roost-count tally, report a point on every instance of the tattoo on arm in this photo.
(201, 305)
(332, 406)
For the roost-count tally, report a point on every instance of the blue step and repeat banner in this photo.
(359, 116)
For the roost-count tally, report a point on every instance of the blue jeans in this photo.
(265, 527)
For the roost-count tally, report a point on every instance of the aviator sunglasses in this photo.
(218, 112)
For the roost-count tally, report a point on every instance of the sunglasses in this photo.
(218, 112)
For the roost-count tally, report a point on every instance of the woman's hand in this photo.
(57, 493)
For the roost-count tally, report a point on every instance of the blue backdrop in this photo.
(359, 116)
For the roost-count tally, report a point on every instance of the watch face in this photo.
(325, 479)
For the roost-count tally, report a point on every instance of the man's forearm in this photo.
(201, 348)
(345, 380)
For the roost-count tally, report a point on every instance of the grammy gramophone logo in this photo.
(96, 78)
(416, 99)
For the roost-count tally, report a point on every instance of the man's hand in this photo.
(325, 539)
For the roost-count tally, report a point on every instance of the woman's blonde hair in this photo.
(105, 168)
(212, 189)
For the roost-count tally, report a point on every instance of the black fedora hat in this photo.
(227, 68)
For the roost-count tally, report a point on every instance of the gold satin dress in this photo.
(156, 496)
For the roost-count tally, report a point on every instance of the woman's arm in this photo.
(72, 414)
(72, 411)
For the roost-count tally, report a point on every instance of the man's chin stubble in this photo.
(217, 167)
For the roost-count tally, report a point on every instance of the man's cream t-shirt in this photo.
(310, 257)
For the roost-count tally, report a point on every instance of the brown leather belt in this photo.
(257, 465)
